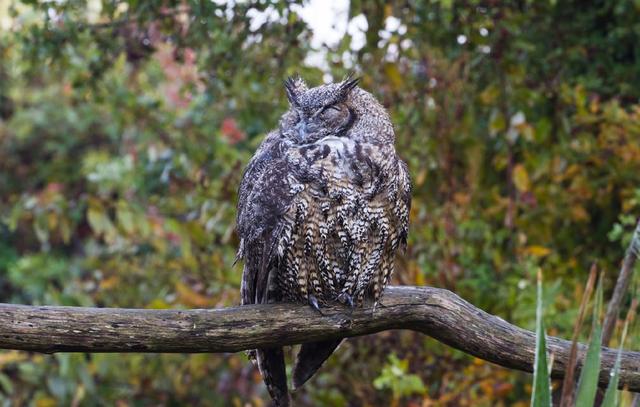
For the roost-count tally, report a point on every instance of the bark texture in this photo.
(435, 312)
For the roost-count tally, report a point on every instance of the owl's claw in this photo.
(313, 301)
(346, 299)
(378, 304)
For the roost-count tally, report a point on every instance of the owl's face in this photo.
(318, 112)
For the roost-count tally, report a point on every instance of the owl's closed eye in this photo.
(333, 113)
(318, 113)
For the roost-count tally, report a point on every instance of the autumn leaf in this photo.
(191, 298)
(521, 178)
(537, 251)
(231, 132)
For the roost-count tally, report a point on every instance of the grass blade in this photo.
(541, 396)
(568, 384)
(588, 384)
(622, 286)
(612, 395)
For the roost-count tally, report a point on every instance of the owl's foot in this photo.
(376, 305)
(313, 301)
(346, 299)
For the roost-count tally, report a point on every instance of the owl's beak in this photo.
(301, 127)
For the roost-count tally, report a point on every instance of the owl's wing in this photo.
(263, 198)
(404, 201)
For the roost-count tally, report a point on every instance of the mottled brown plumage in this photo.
(323, 208)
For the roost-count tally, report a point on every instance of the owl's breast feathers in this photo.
(321, 219)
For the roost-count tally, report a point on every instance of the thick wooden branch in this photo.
(434, 312)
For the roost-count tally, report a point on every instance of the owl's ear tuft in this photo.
(293, 85)
(348, 84)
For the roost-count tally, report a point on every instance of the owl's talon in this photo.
(379, 304)
(346, 299)
(313, 301)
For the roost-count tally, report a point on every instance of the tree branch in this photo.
(435, 312)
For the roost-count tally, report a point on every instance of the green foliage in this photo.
(394, 376)
(125, 125)
(612, 395)
(588, 383)
(541, 395)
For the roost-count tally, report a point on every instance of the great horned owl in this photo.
(323, 208)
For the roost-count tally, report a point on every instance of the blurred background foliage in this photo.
(125, 125)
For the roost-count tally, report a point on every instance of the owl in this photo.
(323, 207)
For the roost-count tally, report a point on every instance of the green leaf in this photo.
(125, 217)
(97, 218)
(521, 178)
(541, 395)
(40, 228)
(15, 215)
(99, 221)
(395, 377)
(497, 123)
(5, 383)
(612, 395)
(588, 384)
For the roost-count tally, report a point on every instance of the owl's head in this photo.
(334, 110)
(318, 112)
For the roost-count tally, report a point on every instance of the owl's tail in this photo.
(311, 356)
(274, 375)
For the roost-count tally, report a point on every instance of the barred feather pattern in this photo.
(323, 208)
(339, 236)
